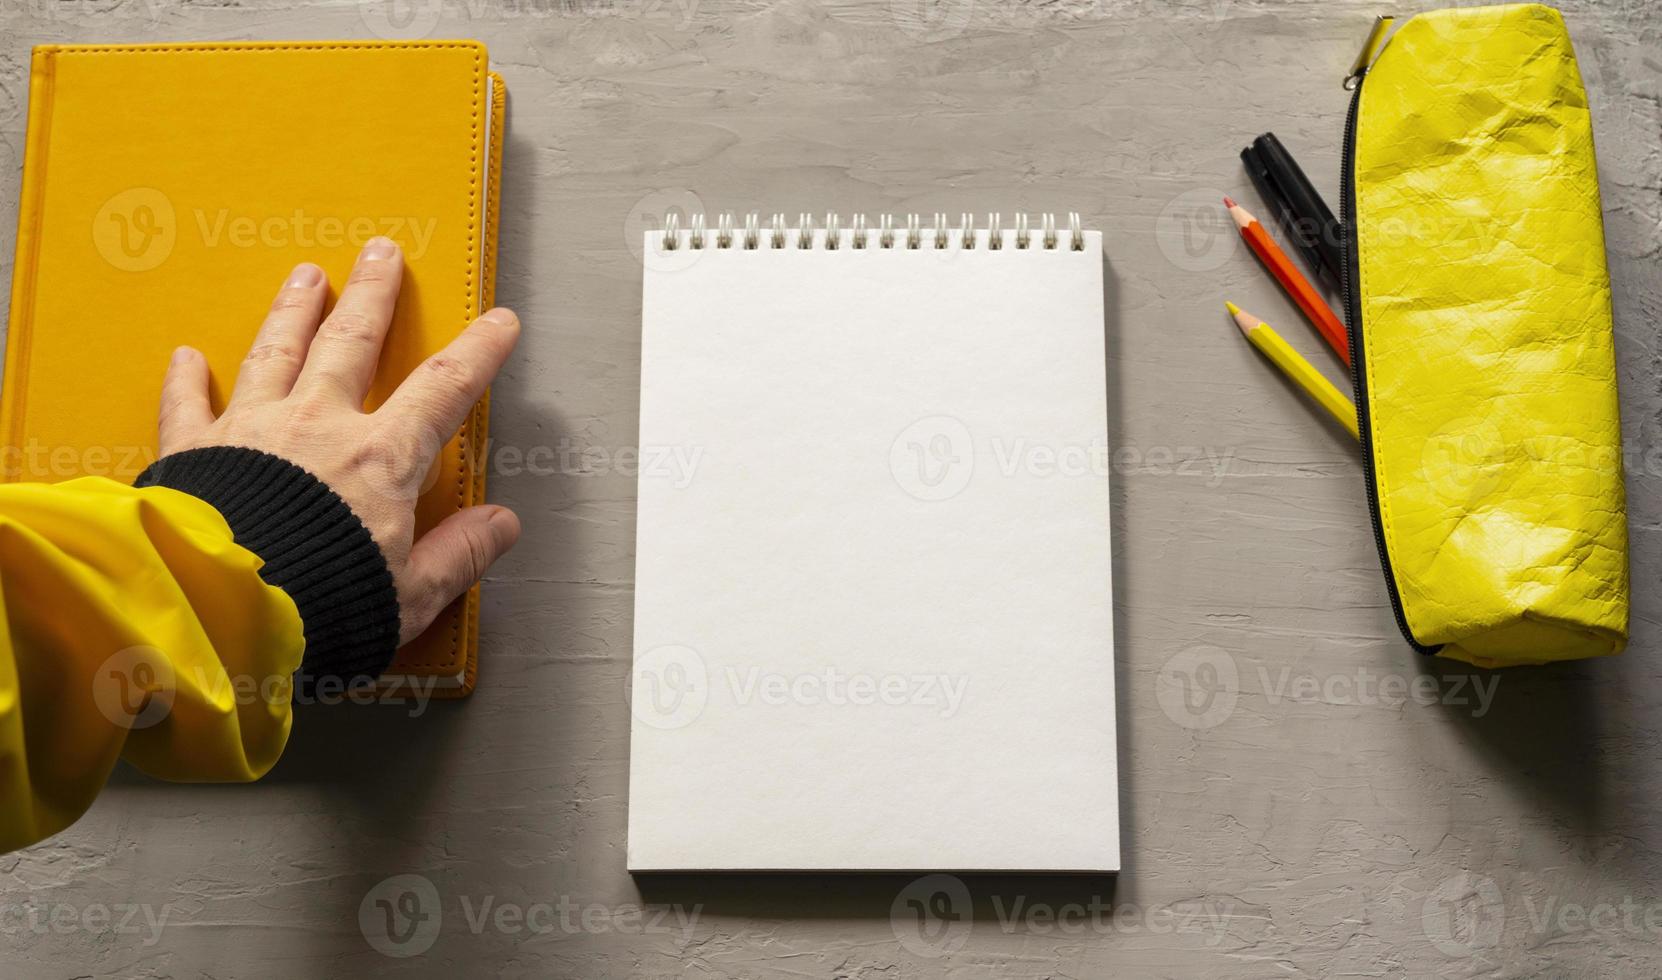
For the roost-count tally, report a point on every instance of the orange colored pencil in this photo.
(1281, 267)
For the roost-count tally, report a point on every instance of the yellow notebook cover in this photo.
(168, 189)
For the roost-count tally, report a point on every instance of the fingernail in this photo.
(501, 315)
(504, 523)
(380, 248)
(304, 276)
(180, 355)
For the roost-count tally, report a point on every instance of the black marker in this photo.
(1316, 228)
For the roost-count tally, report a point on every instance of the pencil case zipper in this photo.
(1349, 273)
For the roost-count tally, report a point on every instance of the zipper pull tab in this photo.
(1370, 50)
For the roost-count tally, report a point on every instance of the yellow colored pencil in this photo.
(1297, 368)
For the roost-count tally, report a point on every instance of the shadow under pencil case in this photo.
(1479, 309)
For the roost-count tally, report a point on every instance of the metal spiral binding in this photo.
(940, 238)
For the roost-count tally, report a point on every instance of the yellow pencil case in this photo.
(1482, 339)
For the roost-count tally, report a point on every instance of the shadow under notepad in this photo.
(901, 898)
(1118, 525)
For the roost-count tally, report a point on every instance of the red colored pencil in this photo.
(1281, 267)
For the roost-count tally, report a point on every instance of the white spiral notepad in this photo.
(873, 616)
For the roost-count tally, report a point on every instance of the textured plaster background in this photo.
(1303, 797)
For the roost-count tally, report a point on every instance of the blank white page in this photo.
(873, 616)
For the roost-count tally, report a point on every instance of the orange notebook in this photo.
(167, 190)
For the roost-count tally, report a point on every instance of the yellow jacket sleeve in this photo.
(131, 625)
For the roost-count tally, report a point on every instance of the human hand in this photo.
(299, 395)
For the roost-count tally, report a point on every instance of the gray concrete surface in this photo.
(1337, 808)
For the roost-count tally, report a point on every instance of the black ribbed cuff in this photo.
(314, 548)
